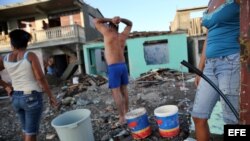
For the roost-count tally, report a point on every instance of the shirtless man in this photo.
(114, 54)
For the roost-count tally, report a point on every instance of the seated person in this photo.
(51, 70)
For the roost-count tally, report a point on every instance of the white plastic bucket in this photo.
(167, 120)
(74, 125)
(75, 80)
(137, 121)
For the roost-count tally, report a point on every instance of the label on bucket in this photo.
(169, 125)
(139, 126)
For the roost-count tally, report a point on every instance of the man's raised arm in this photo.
(99, 24)
(128, 27)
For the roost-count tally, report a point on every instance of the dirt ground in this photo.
(167, 90)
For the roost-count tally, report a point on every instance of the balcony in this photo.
(51, 37)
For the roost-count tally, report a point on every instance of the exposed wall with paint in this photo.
(145, 53)
(195, 46)
(176, 51)
(90, 58)
(101, 66)
(156, 53)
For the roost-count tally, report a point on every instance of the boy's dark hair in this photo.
(116, 27)
(19, 38)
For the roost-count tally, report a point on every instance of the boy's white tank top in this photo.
(21, 74)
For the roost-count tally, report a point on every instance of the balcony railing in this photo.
(51, 34)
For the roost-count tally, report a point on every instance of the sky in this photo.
(146, 15)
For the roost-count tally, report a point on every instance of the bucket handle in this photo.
(155, 120)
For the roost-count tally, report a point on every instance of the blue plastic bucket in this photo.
(137, 121)
(167, 120)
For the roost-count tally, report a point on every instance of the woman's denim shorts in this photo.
(224, 72)
(29, 107)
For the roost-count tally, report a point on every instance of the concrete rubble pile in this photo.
(159, 76)
(92, 93)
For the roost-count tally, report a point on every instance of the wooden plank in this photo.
(245, 62)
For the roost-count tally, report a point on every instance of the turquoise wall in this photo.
(177, 47)
(89, 56)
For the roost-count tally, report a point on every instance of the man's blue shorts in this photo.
(118, 75)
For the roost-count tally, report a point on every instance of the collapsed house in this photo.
(144, 51)
(59, 29)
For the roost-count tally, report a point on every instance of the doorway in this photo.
(3, 28)
(54, 22)
(61, 63)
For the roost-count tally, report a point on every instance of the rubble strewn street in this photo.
(151, 90)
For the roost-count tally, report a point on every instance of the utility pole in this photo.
(245, 62)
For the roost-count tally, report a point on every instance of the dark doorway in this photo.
(54, 22)
(61, 64)
(82, 65)
(3, 27)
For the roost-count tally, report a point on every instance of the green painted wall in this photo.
(89, 56)
(177, 47)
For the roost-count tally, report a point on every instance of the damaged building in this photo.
(144, 51)
(59, 29)
(68, 38)
(189, 20)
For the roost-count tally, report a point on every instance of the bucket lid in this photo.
(135, 113)
(166, 110)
